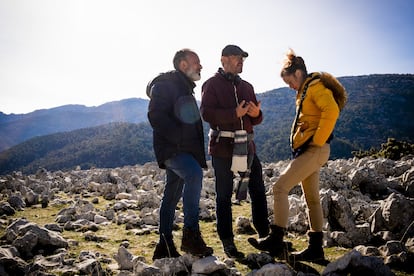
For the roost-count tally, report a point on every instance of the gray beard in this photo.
(194, 76)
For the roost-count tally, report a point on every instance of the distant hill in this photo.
(15, 129)
(379, 107)
(106, 146)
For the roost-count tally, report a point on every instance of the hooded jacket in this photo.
(319, 112)
(175, 118)
(218, 108)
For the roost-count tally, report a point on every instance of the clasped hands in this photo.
(249, 108)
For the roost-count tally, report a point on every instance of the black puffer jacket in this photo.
(175, 118)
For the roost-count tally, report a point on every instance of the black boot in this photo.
(273, 243)
(231, 250)
(165, 249)
(314, 252)
(193, 243)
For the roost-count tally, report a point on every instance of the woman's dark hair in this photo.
(179, 56)
(293, 63)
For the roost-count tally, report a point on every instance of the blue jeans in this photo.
(224, 191)
(184, 177)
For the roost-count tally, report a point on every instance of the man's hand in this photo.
(242, 109)
(253, 110)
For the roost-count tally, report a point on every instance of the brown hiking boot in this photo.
(165, 250)
(193, 243)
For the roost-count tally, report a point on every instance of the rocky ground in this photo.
(368, 207)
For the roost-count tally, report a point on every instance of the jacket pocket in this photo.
(301, 137)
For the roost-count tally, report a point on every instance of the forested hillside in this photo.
(379, 107)
(107, 146)
(17, 128)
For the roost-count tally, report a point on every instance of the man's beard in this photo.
(193, 75)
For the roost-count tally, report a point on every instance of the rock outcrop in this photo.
(368, 207)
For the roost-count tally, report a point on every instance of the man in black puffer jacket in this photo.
(179, 148)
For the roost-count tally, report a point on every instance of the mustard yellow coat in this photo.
(318, 115)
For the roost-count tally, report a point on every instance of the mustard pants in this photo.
(305, 169)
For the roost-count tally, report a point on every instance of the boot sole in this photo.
(201, 254)
(288, 245)
(279, 255)
(235, 255)
(253, 242)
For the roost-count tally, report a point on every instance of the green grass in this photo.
(143, 245)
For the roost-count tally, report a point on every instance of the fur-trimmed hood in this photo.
(338, 90)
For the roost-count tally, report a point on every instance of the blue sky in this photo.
(90, 52)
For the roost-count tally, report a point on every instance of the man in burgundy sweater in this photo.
(229, 104)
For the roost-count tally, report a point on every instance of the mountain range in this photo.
(118, 133)
(16, 128)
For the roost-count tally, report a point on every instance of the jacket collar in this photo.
(190, 83)
(311, 79)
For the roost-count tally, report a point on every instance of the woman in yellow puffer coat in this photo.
(319, 99)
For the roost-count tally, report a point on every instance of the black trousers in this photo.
(224, 191)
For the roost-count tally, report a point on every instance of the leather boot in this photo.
(165, 249)
(193, 243)
(314, 252)
(273, 243)
(231, 250)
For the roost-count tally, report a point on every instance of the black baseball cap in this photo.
(233, 50)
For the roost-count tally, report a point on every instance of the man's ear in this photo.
(224, 60)
(183, 65)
